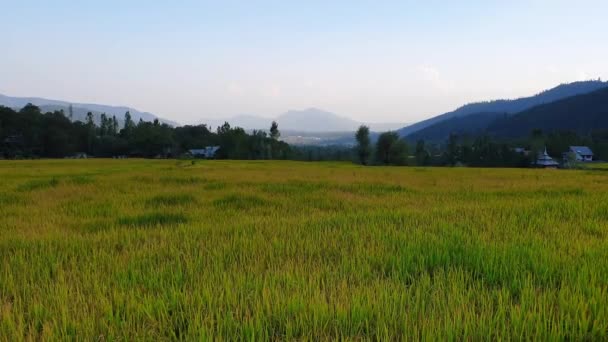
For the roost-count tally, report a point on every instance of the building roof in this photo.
(582, 150)
(544, 159)
(207, 151)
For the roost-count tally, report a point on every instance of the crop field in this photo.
(174, 250)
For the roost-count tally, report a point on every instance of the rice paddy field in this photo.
(175, 250)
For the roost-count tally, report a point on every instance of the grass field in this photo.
(144, 249)
(598, 166)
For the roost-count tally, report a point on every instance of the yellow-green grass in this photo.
(155, 250)
(597, 166)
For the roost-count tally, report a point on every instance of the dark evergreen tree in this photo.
(364, 149)
(274, 130)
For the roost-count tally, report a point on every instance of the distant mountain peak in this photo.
(303, 120)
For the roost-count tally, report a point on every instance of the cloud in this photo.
(581, 75)
(273, 91)
(234, 88)
(552, 69)
(431, 75)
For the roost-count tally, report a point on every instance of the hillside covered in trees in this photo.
(487, 111)
(581, 114)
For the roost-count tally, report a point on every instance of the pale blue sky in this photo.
(370, 60)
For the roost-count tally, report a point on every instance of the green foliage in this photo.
(188, 180)
(31, 133)
(391, 150)
(483, 152)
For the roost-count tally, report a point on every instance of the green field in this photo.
(144, 249)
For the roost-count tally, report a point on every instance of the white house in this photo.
(207, 152)
(580, 153)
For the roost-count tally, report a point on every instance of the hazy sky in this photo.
(370, 60)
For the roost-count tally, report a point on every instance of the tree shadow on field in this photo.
(241, 202)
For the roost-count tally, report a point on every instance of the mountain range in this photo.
(578, 106)
(80, 110)
(476, 118)
(307, 120)
(303, 121)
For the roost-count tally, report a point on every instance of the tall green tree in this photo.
(90, 127)
(364, 147)
(453, 151)
(422, 155)
(70, 112)
(129, 126)
(391, 150)
(104, 125)
(274, 131)
(114, 128)
(537, 144)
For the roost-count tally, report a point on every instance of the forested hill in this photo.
(510, 106)
(581, 114)
(473, 124)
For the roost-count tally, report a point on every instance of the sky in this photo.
(373, 61)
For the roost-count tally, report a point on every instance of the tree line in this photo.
(29, 133)
(475, 150)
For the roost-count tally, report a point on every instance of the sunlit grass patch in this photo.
(181, 180)
(154, 220)
(293, 188)
(142, 179)
(375, 189)
(215, 185)
(38, 184)
(171, 200)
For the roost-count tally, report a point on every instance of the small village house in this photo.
(578, 154)
(521, 150)
(207, 152)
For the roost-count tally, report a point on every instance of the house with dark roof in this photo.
(579, 154)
